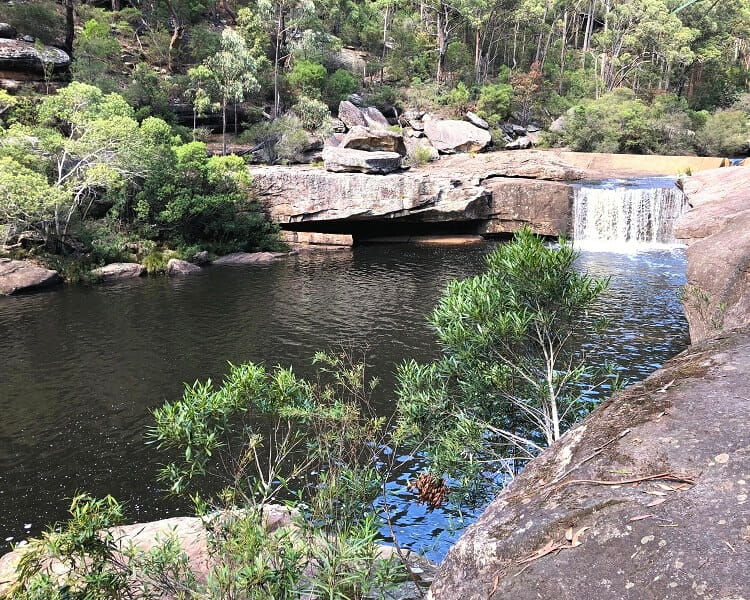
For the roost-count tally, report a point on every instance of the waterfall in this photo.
(626, 218)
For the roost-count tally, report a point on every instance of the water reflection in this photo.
(82, 367)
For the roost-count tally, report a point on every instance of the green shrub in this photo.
(725, 133)
(494, 101)
(307, 78)
(39, 19)
(313, 114)
(458, 99)
(338, 87)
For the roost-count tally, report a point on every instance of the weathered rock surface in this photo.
(346, 160)
(655, 539)
(363, 138)
(248, 258)
(717, 231)
(17, 55)
(175, 266)
(475, 119)
(420, 148)
(521, 143)
(350, 115)
(374, 118)
(118, 271)
(18, 276)
(458, 188)
(450, 136)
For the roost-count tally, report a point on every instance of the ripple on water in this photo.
(83, 367)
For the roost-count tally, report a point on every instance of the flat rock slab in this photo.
(248, 258)
(119, 271)
(643, 539)
(346, 160)
(18, 276)
(363, 138)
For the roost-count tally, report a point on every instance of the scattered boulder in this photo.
(475, 119)
(420, 149)
(7, 31)
(344, 160)
(201, 258)
(119, 271)
(10, 85)
(451, 136)
(248, 258)
(19, 276)
(338, 126)
(175, 266)
(519, 130)
(558, 124)
(23, 56)
(350, 115)
(374, 118)
(362, 138)
(533, 128)
(356, 99)
(522, 143)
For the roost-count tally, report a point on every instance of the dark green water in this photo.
(81, 367)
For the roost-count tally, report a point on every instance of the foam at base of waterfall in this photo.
(626, 219)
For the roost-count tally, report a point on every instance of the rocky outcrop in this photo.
(19, 276)
(509, 190)
(353, 116)
(648, 498)
(118, 271)
(362, 138)
(451, 136)
(25, 57)
(175, 266)
(419, 150)
(521, 143)
(346, 160)
(476, 120)
(717, 231)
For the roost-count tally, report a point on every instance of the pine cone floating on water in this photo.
(430, 490)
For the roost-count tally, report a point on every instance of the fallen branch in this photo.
(666, 476)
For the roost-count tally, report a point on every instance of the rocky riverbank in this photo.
(648, 496)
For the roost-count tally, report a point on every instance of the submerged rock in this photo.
(18, 276)
(248, 258)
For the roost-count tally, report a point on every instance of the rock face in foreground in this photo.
(18, 276)
(655, 539)
(500, 192)
(717, 230)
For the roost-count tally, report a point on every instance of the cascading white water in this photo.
(623, 218)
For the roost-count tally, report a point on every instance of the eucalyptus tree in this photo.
(228, 76)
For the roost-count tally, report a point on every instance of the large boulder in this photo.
(18, 276)
(362, 138)
(646, 499)
(119, 271)
(717, 231)
(374, 118)
(350, 115)
(451, 136)
(346, 160)
(25, 57)
(175, 266)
